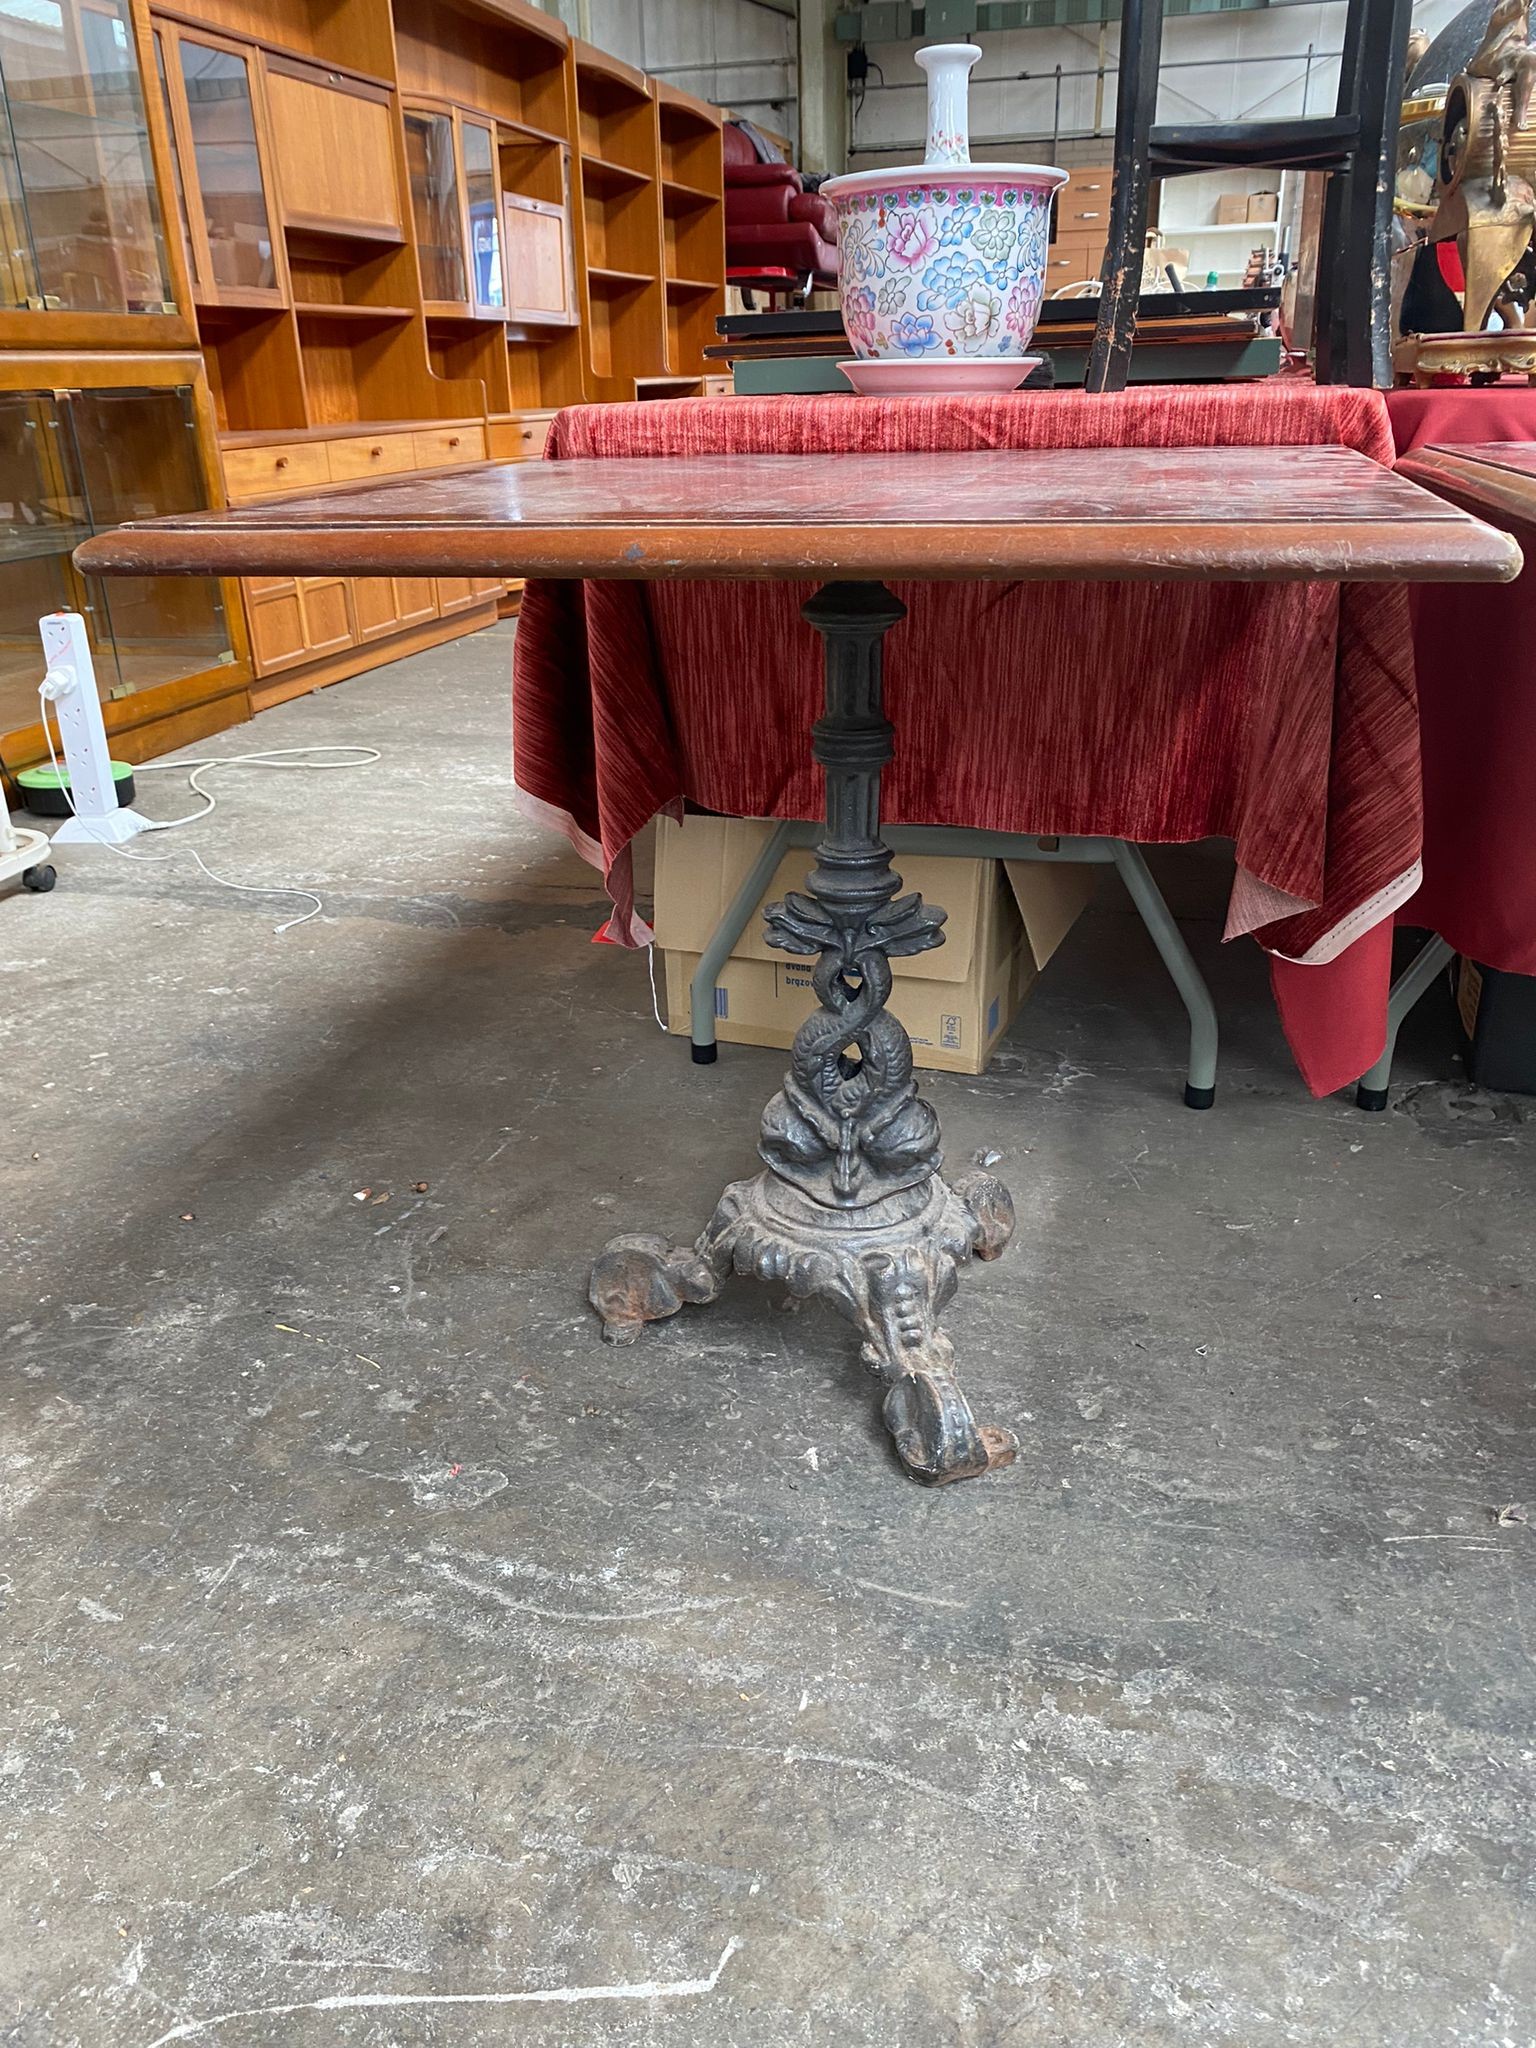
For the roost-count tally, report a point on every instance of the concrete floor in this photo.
(387, 1662)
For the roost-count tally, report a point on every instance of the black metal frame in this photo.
(1356, 145)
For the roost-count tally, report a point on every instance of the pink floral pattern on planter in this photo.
(948, 267)
(911, 238)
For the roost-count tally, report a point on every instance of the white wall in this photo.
(733, 52)
(1216, 67)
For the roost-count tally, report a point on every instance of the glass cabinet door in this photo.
(436, 206)
(488, 286)
(79, 214)
(136, 454)
(42, 519)
(226, 168)
(71, 464)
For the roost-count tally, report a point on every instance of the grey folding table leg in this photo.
(701, 990)
(1413, 982)
(1200, 1086)
(973, 843)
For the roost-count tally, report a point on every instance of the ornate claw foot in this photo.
(889, 1267)
(852, 1206)
(641, 1279)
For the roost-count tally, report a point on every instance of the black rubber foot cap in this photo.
(705, 1055)
(1370, 1098)
(1198, 1098)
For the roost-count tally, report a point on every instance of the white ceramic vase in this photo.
(943, 260)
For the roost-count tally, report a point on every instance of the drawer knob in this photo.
(281, 462)
(375, 451)
(453, 440)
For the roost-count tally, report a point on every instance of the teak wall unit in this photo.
(413, 232)
(321, 240)
(105, 411)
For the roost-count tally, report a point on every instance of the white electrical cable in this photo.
(276, 757)
(650, 955)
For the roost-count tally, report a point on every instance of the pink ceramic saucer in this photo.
(907, 376)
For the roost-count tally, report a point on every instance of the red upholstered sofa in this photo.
(771, 221)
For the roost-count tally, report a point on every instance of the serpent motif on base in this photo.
(849, 1112)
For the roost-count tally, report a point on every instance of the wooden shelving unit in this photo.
(692, 188)
(105, 407)
(388, 235)
(620, 170)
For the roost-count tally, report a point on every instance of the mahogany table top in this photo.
(1497, 478)
(1273, 514)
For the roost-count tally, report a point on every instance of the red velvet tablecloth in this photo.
(1281, 716)
(1475, 651)
(1475, 657)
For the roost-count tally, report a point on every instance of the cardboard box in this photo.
(1263, 205)
(1006, 919)
(1231, 207)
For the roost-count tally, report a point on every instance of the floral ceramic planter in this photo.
(943, 259)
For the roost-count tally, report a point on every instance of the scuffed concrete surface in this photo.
(386, 1662)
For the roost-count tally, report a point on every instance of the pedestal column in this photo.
(852, 1205)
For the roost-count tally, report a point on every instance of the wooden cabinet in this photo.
(218, 125)
(83, 252)
(540, 266)
(1072, 259)
(267, 472)
(384, 605)
(371, 455)
(275, 615)
(334, 147)
(521, 439)
(458, 593)
(295, 618)
(1082, 223)
(303, 622)
(443, 447)
(84, 445)
(452, 160)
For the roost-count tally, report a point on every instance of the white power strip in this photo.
(97, 819)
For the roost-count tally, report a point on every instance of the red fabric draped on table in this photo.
(1278, 715)
(1474, 648)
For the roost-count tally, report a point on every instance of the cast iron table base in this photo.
(851, 1205)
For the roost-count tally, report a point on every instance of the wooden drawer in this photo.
(522, 439)
(1073, 258)
(440, 447)
(282, 466)
(1084, 202)
(371, 455)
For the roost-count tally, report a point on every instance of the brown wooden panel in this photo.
(541, 283)
(284, 466)
(455, 593)
(334, 152)
(371, 455)
(375, 608)
(327, 614)
(1204, 514)
(521, 439)
(415, 599)
(1072, 259)
(441, 447)
(1493, 478)
(276, 621)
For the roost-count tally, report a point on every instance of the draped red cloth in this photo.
(1474, 649)
(1281, 716)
